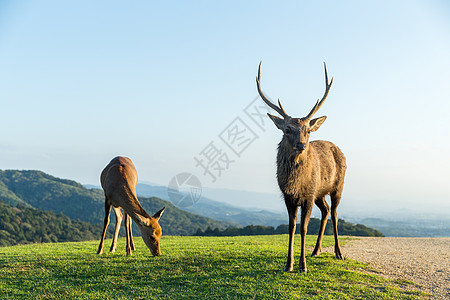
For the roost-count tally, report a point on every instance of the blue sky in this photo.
(84, 81)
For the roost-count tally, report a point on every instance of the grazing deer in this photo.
(306, 172)
(119, 179)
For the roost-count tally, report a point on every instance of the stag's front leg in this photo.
(292, 211)
(305, 216)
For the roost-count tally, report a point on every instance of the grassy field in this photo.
(189, 267)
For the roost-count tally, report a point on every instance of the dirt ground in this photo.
(424, 261)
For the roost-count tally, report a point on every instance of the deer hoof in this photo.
(303, 270)
(317, 251)
(100, 252)
(289, 269)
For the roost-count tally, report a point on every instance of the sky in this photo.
(172, 86)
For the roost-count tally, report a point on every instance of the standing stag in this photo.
(306, 172)
(119, 179)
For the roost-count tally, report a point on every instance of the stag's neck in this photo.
(291, 159)
(294, 169)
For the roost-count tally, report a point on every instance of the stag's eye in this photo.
(287, 130)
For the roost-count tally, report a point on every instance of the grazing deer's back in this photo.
(119, 174)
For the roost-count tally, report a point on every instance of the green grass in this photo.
(191, 268)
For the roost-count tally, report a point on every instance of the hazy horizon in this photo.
(169, 85)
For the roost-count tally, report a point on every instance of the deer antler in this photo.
(279, 109)
(327, 89)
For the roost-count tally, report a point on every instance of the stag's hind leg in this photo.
(325, 210)
(335, 199)
(119, 218)
(105, 225)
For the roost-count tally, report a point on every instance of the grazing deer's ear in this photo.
(158, 214)
(279, 122)
(143, 220)
(314, 124)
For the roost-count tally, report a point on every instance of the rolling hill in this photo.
(22, 225)
(39, 190)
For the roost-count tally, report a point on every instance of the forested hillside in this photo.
(40, 190)
(23, 225)
(50, 209)
(344, 228)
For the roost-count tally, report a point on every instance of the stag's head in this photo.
(151, 231)
(296, 131)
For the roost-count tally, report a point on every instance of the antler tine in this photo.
(327, 90)
(280, 109)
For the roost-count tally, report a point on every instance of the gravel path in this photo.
(424, 261)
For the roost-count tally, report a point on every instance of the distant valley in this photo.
(241, 207)
(38, 190)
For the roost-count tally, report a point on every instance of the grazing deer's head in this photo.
(151, 231)
(296, 130)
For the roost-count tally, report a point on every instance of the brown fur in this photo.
(304, 179)
(119, 180)
(306, 172)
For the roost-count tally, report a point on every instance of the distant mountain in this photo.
(31, 190)
(395, 223)
(270, 202)
(219, 210)
(222, 210)
(39, 190)
(416, 227)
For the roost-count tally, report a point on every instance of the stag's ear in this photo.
(314, 124)
(159, 213)
(279, 122)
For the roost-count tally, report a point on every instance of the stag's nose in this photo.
(300, 147)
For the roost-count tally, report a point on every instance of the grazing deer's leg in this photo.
(304, 221)
(119, 179)
(292, 211)
(129, 235)
(130, 226)
(118, 214)
(105, 225)
(335, 199)
(325, 209)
